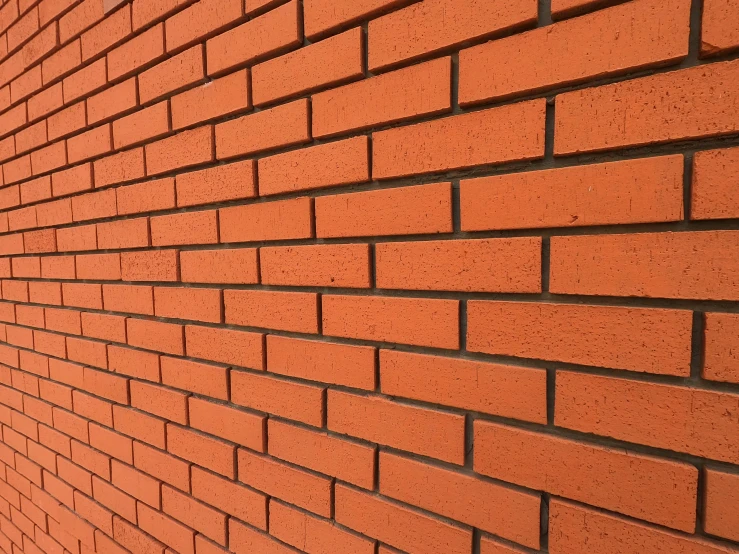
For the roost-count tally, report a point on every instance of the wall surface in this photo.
(369, 276)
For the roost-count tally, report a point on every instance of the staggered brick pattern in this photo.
(369, 276)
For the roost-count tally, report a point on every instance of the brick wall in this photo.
(369, 276)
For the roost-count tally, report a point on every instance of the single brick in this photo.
(714, 183)
(720, 26)
(722, 504)
(238, 266)
(150, 196)
(185, 149)
(222, 183)
(330, 265)
(185, 228)
(237, 426)
(217, 98)
(141, 126)
(137, 53)
(287, 311)
(175, 73)
(225, 346)
(201, 20)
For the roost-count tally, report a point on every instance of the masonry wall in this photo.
(369, 276)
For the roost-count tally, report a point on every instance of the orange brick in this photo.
(275, 32)
(285, 219)
(200, 20)
(636, 339)
(244, 503)
(721, 362)
(137, 484)
(165, 403)
(720, 26)
(611, 41)
(148, 11)
(102, 326)
(409, 93)
(155, 335)
(95, 205)
(143, 365)
(178, 72)
(111, 31)
(126, 233)
(398, 525)
(320, 265)
(129, 299)
(111, 443)
(80, 18)
(420, 430)
(69, 181)
(77, 239)
(67, 121)
(699, 421)
(136, 53)
(330, 62)
(89, 353)
(62, 62)
(287, 311)
(217, 184)
(225, 346)
(49, 158)
(228, 423)
(188, 303)
(507, 391)
(510, 454)
(340, 364)
(103, 267)
(310, 168)
(186, 149)
(423, 322)
(634, 191)
(662, 265)
(149, 196)
(90, 144)
(221, 97)
(133, 538)
(185, 228)
(85, 81)
(151, 265)
(488, 265)
(348, 461)
(288, 399)
(112, 101)
(277, 479)
(671, 106)
(713, 184)
(119, 168)
(461, 141)
(721, 503)
(201, 450)
(141, 126)
(141, 426)
(194, 514)
(220, 266)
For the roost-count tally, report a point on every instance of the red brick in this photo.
(330, 62)
(636, 339)
(339, 364)
(141, 126)
(111, 31)
(137, 53)
(273, 33)
(461, 141)
(651, 110)
(579, 530)
(155, 335)
(149, 196)
(634, 191)
(201, 20)
(175, 73)
(225, 422)
(348, 461)
(423, 322)
(244, 503)
(694, 421)
(610, 42)
(151, 265)
(201, 450)
(119, 168)
(40, 241)
(429, 27)
(217, 184)
(423, 431)
(720, 26)
(714, 183)
(662, 265)
(277, 127)
(285, 219)
(398, 525)
(287, 311)
(186, 149)
(221, 97)
(185, 228)
(225, 346)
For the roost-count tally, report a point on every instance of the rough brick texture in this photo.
(369, 276)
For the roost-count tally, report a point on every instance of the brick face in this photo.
(369, 276)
